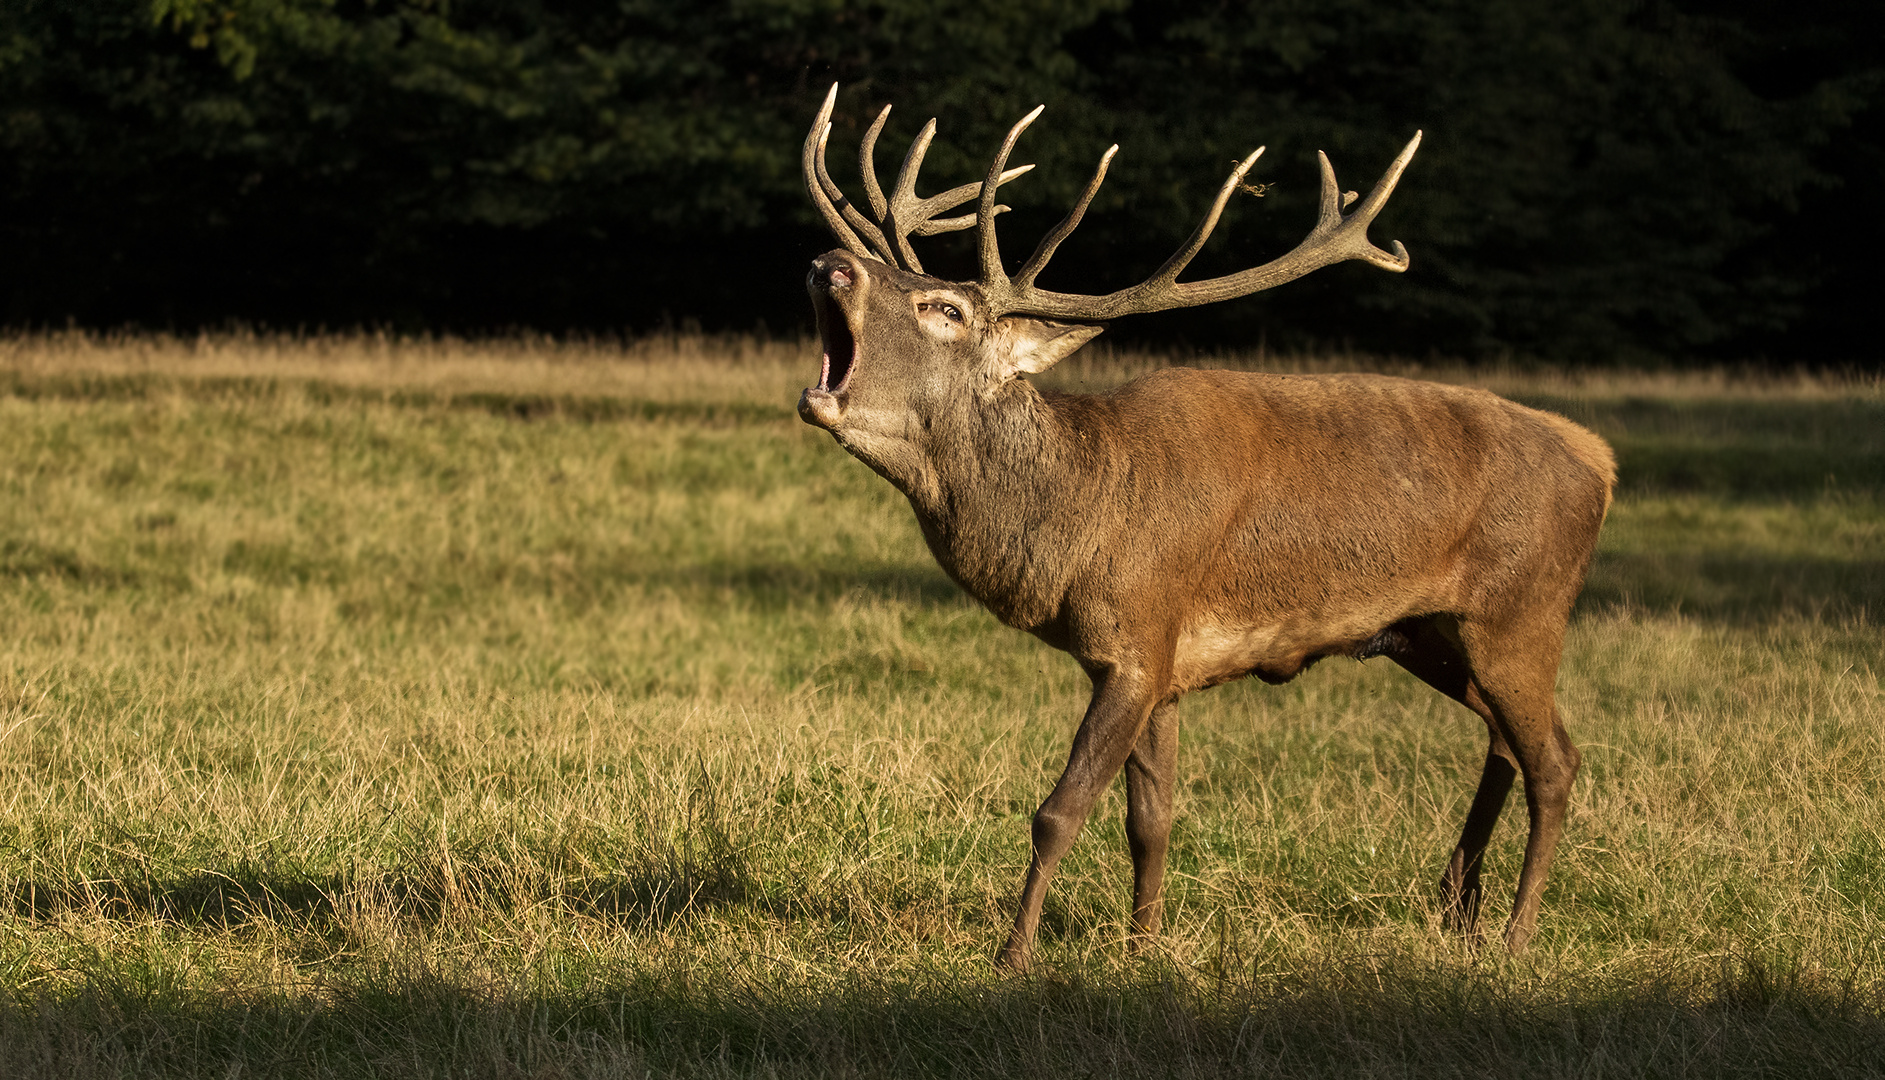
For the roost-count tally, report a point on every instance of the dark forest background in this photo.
(1602, 181)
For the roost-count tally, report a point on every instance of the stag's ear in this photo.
(1030, 346)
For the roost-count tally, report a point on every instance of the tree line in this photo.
(1600, 181)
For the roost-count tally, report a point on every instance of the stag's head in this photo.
(900, 344)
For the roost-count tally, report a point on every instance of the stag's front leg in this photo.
(1459, 886)
(1122, 700)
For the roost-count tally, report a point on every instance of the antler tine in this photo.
(905, 192)
(1334, 200)
(955, 197)
(879, 247)
(904, 206)
(910, 215)
(992, 274)
(812, 163)
(1370, 206)
(901, 214)
(1052, 241)
(867, 165)
(1181, 258)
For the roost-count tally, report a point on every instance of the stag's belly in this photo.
(1214, 650)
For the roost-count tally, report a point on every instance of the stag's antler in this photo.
(1336, 237)
(902, 214)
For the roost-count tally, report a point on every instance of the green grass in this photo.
(537, 710)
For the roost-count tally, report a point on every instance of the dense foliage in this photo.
(1601, 179)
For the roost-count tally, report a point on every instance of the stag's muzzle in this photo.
(835, 282)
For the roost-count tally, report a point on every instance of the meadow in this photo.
(535, 709)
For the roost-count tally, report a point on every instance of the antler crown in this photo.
(1337, 236)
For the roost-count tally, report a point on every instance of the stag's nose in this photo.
(834, 271)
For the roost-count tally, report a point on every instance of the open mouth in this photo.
(833, 284)
(840, 347)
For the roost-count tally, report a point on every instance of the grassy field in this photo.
(538, 710)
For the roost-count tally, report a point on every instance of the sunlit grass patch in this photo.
(382, 708)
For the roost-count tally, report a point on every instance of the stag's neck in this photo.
(1008, 509)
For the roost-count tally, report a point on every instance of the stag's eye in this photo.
(949, 311)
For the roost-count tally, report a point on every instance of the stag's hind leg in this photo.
(1431, 655)
(1513, 675)
(1151, 773)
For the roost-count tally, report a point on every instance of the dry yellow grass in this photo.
(661, 368)
(524, 708)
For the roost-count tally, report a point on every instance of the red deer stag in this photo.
(1194, 527)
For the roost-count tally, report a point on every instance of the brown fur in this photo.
(1194, 527)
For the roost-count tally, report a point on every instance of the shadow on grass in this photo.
(651, 890)
(579, 408)
(778, 585)
(651, 894)
(1736, 588)
(1738, 447)
(768, 586)
(1355, 1016)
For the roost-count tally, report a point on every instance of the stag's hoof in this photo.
(1459, 904)
(1013, 957)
